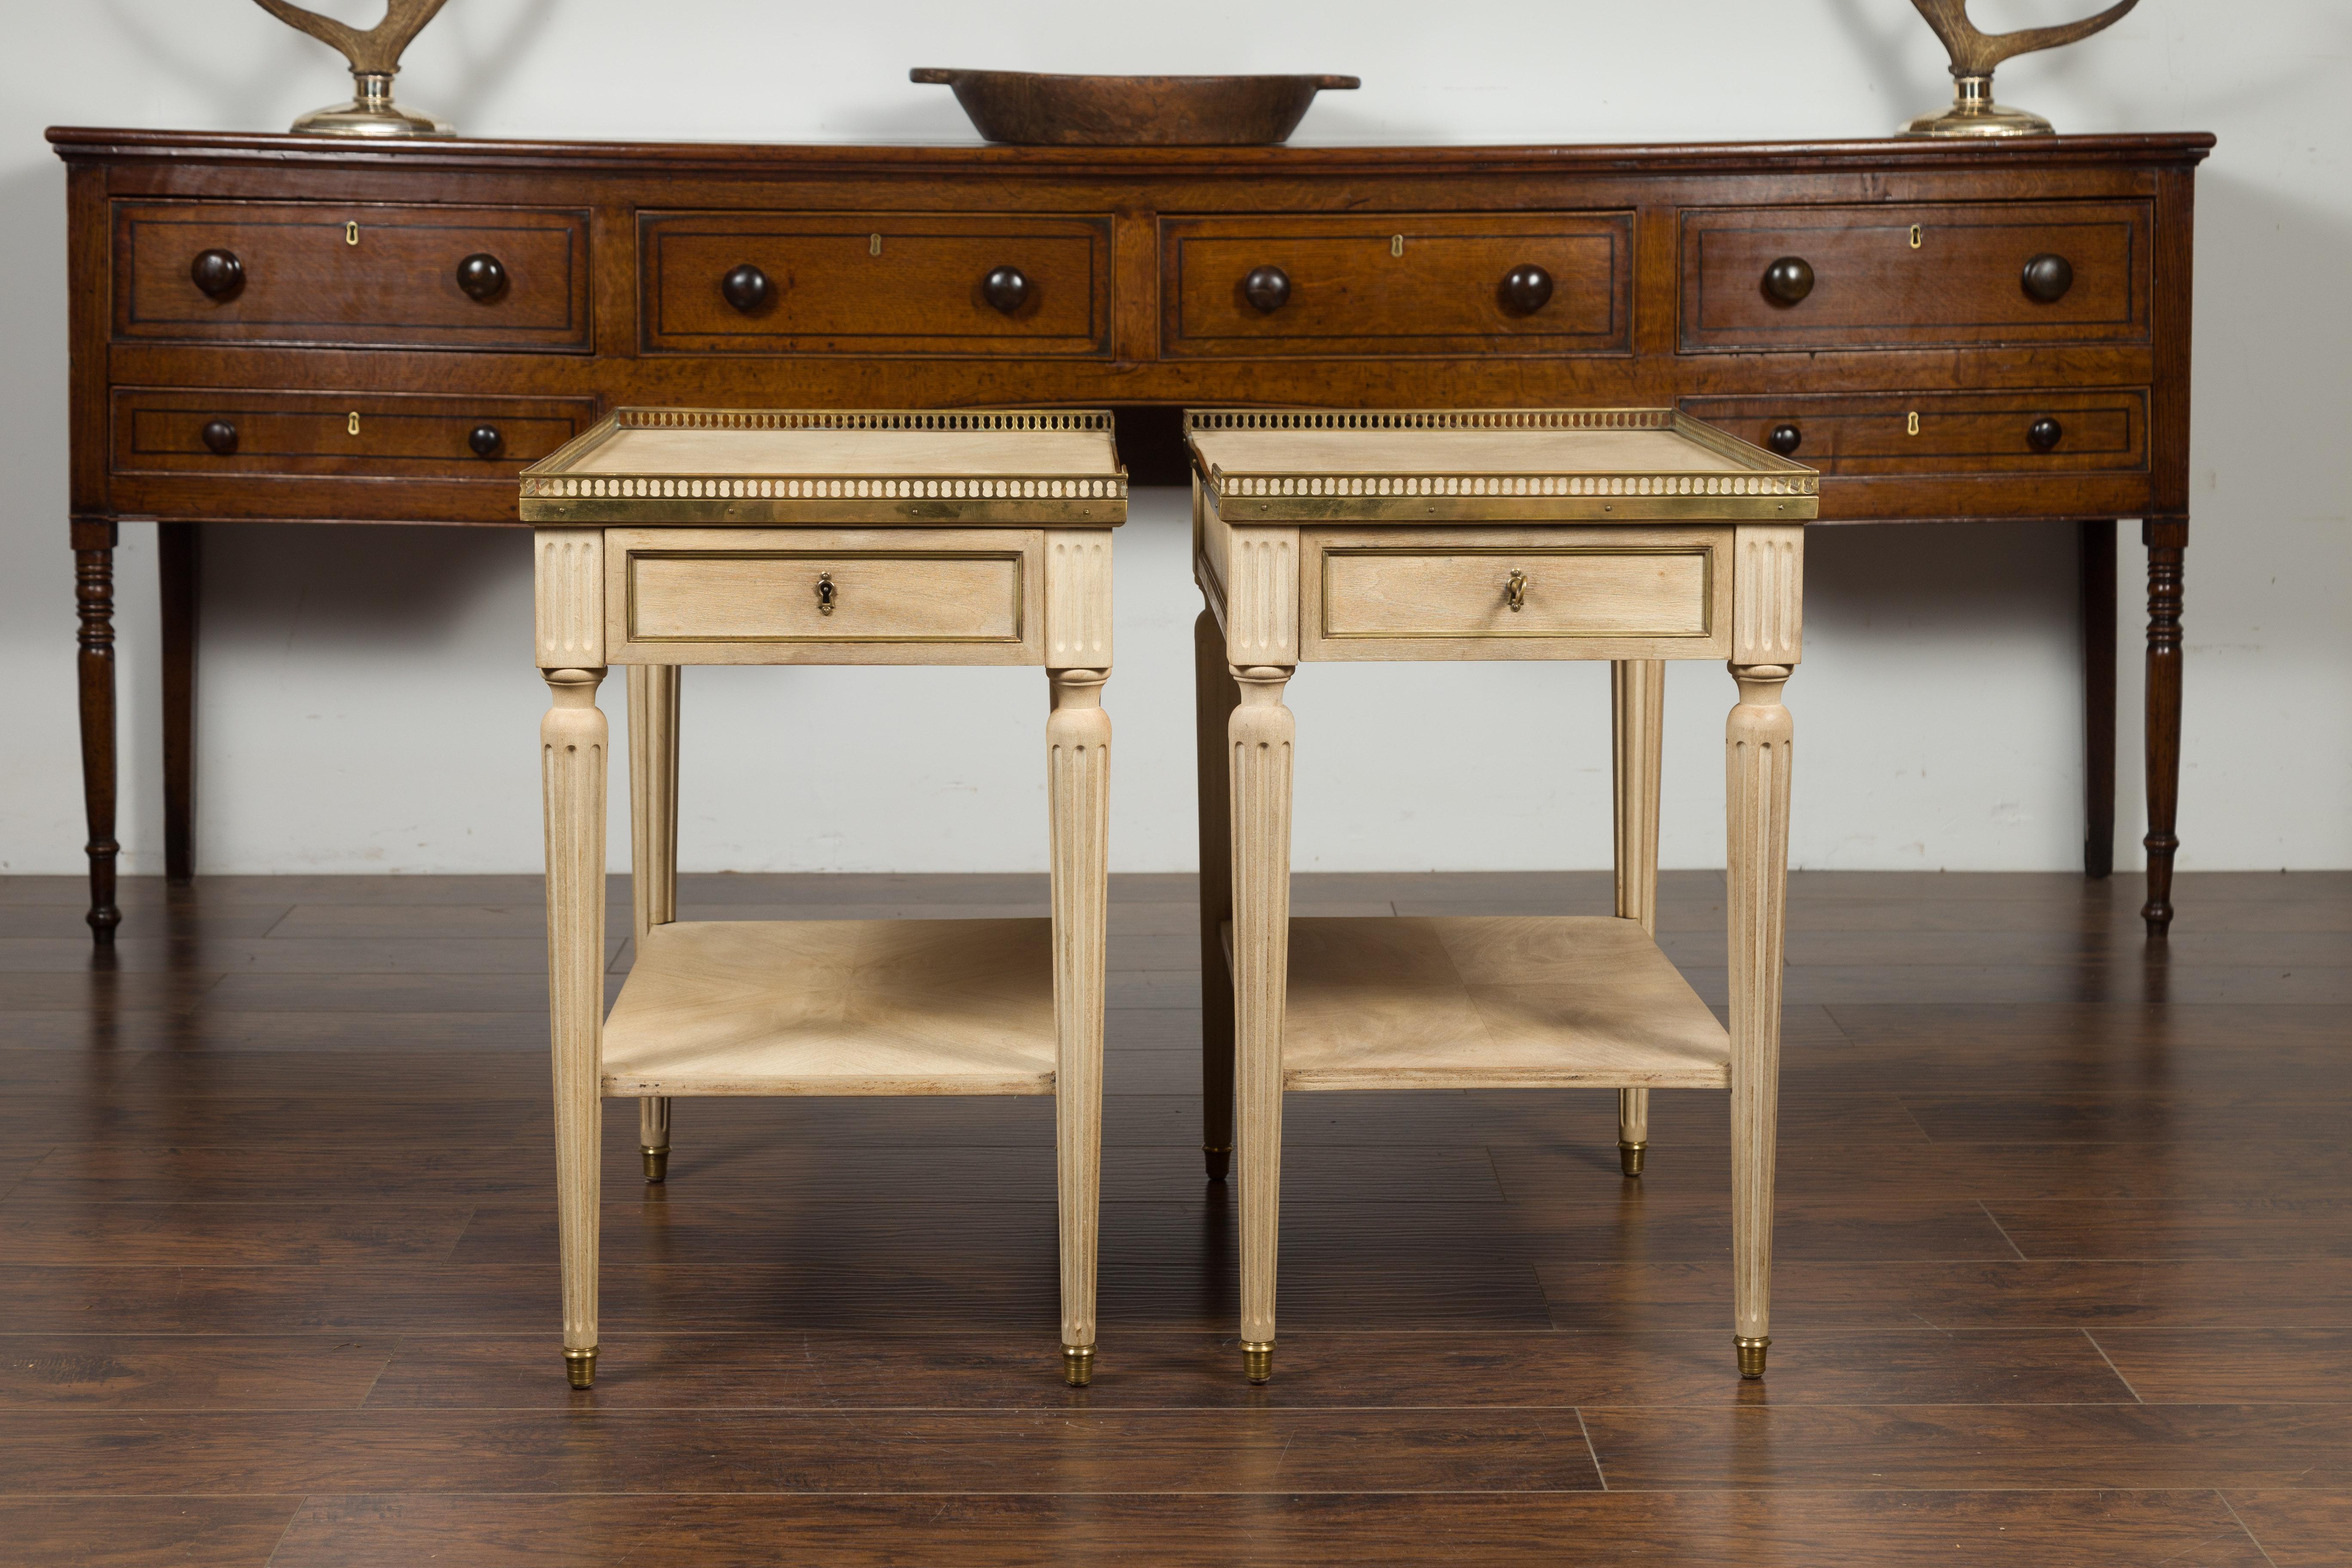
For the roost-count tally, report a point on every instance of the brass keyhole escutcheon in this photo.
(1911, 424)
(873, 244)
(351, 425)
(1515, 592)
(824, 593)
(1915, 236)
(351, 232)
(1396, 245)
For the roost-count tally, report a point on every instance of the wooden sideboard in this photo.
(302, 330)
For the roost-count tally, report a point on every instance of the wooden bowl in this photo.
(1034, 110)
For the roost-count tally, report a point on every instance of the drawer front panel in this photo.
(1908, 276)
(823, 595)
(1947, 433)
(1418, 283)
(1582, 592)
(857, 283)
(385, 277)
(361, 435)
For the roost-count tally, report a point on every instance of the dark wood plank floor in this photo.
(2066, 1244)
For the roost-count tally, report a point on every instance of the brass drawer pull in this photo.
(824, 593)
(1515, 592)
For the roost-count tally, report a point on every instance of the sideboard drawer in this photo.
(1448, 593)
(2029, 432)
(1418, 283)
(374, 435)
(895, 596)
(352, 273)
(842, 283)
(1909, 277)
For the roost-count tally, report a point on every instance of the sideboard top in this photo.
(87, 144)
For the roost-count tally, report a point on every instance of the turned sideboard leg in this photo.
(93, 548)
(653, 852)
(1758, 743)
(1214, 697)
(1637, 698)
(2167, 544)
(1259, 737)
(178, 562)
(573, 739)
(2098, 590)
(1077, 741)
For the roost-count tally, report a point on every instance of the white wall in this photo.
(367, 699)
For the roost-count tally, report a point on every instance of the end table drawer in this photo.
(1439, 596)
(827, 596)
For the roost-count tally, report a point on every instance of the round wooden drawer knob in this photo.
(1785, 439)
(2047, 277)
(217, 272)
(220, 437)
(2045, 433)
(1527, 289)
(746, 288)
(482, 276)
(485, 440)
(1789, 279)
(1006, 287)
(1267, 288)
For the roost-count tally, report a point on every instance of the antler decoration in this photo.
(1974, 53)
(378, 51)
(374, 56)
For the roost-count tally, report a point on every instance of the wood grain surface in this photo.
(2063, 1276)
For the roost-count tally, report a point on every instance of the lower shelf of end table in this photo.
(1509, 1002)
(812, 1007)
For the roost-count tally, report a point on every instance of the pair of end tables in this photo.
(669, 537)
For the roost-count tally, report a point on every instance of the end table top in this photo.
(1600, 465)
(701, 465)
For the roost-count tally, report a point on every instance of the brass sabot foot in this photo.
(656, 1164)
(1219, 1159)
(1629, 1155)
(1751, 1354)
(1257, 1360)
(1077, 1365)
(580, 1367)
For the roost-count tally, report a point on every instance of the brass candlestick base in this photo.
(1751, 1354)
(371, 112)
(1974, 113)
(374, 58)
(656, 1164)
(580, 1367)
(1628, 1156)
(1257, 1360)
(1077, 1365)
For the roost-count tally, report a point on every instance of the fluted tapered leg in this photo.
(1259, 737)
(1214, 697)
(573, 739)
(653, 851)
(1758, 745)
(1077, 738)
(1637, 698)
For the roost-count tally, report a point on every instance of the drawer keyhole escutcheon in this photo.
(1911, 422)
(1915, 236)
(824, 593)
(1396, 245)
(873, 244)
(1515, 592)
(351, 425)
(351, 232)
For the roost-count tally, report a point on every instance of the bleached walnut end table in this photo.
(671, 537)
(1633, 535)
